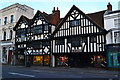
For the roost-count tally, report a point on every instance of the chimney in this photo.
(53, 9)
(109, 7)
(56, 15)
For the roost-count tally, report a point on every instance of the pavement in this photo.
(89, 70)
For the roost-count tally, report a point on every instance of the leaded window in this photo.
(92, 39)
(46, 27)
(74, 23)
(76, 42)
(38, 29)
(59, 42)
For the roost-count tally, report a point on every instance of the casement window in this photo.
(19, 32)
(117, 36)
(5, 20)
(46, 43)
(38, 29)
(12, 18)
(28, 30)
(59, 42)
(37, 45)
(46, 27)
(76, 42)
(92, 39)
(117, 23)
(74, 23)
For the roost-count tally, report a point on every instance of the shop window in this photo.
(38, 60)
(98, 61)
(119, 58)
(46, 59)
(74, 23)
(62, 61)
(60, 42)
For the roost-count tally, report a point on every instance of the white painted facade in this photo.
(112, 25)
(12, 13)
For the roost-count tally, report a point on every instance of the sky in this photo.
(87, 6)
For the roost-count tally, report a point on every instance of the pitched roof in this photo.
(98, 17)
(24, 19)
(90, 17)
(48, 17)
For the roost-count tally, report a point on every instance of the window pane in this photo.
(74, 23)
(60, 42)
(12, 18)
(5, 21)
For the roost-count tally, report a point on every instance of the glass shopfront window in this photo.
(41, 60)
(38, 60)
(113, 55)
(98, 61)
(62, 61)
(46, 59)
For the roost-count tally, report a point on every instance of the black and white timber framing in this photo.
(32, 35)
(78, 35)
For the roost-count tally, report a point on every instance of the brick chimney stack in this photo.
(109, 7)
(56, 15)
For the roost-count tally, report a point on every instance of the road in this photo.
(28, 72)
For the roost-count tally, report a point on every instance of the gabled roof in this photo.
(48, 17)
(23, 19)
(67, 15)
(98, 17)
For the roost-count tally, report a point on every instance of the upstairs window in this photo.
(74, 23)
(93, 39)
(38, 29)
(11, 34)
(5, 20)
(46, 27)
(117, 23)
(4, 36)
(0, 21)
(60, 42)
(12, 18)
(76, 42)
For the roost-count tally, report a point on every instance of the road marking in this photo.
(43, 71)
(21, 74)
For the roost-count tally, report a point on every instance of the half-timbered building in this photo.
(32, 37)
(78, 41)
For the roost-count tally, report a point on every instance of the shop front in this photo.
(80, 60)
(113, 55)
(39, 60)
